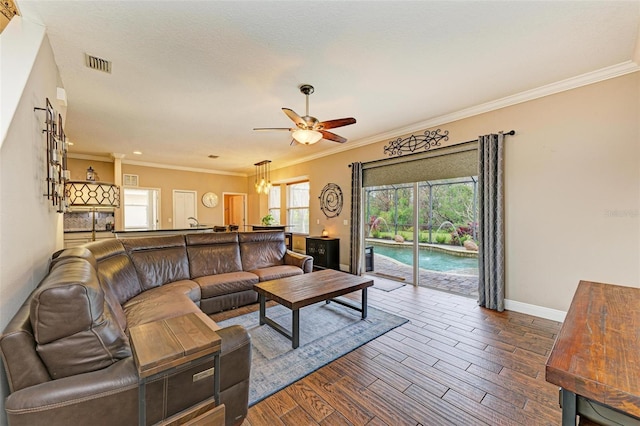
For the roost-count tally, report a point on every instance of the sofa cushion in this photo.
(188, 288)
(73, 326)
(213, 253)
(233, 282)
(115, 269)
(79, 251)
(22, 364)
(109, 295)
(156, 306)
(276, 272)
(261, 249)
(158, 260)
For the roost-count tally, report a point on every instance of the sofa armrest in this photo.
(302, 261)
(62, 401)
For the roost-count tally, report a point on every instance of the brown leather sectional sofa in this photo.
(66, 352)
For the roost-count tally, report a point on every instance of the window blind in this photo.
(442, 163)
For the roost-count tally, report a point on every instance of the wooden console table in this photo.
(597, 353)
(167, 346)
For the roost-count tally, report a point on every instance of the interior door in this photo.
(184, 206)
(235, 209)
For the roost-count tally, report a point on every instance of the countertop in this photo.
(75, 231)
(200, 228)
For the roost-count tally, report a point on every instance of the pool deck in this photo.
(466, 285)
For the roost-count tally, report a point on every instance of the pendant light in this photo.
(263, 177)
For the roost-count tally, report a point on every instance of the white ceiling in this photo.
(192, 78)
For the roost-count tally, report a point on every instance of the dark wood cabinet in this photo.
(325, 252)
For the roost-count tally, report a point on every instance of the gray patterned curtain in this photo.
(355, 258)
(491, 221)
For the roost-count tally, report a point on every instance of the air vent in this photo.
(214, 156)
(130, 180)
(98, 64)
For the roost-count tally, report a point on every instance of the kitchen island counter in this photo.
(155, 232)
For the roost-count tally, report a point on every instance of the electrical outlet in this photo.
(169, 220)
(317, 221)
(345, 222)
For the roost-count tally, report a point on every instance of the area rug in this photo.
(327, 331)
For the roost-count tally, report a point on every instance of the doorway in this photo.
(235, 209)
(141, 208)
(424, 233)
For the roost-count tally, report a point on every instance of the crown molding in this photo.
(182, 168)
(154, 165)
(89, 157)
(581, 80)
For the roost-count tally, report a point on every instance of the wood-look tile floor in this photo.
(452, 364)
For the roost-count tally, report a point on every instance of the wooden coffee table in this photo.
(303, 290)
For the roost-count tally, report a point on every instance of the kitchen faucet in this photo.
(194, 219)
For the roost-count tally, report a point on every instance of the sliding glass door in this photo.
(416, 232)
(389, 216)
(418, 211)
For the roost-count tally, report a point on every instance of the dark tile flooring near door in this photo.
(452, 364)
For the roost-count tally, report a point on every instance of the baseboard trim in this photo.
(538, 311)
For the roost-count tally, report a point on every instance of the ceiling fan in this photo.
(310, 130)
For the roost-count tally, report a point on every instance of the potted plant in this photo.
(267, 220)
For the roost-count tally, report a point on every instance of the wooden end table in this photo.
(303, 290)
(165, 347)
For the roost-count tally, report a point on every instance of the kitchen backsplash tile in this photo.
(81, 221)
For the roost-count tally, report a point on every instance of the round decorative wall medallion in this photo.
(331, 200)
(210, 199)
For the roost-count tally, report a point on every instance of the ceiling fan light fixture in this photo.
(307, 137)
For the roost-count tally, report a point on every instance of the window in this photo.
(140, 208)
(298, 207)
(274, 203)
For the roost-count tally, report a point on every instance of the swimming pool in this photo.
(433, 260)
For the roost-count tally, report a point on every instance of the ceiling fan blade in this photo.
(332, 124)
(295, 118)
(272, 128)
(332, 136)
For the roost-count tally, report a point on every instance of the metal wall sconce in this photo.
(57, 147)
